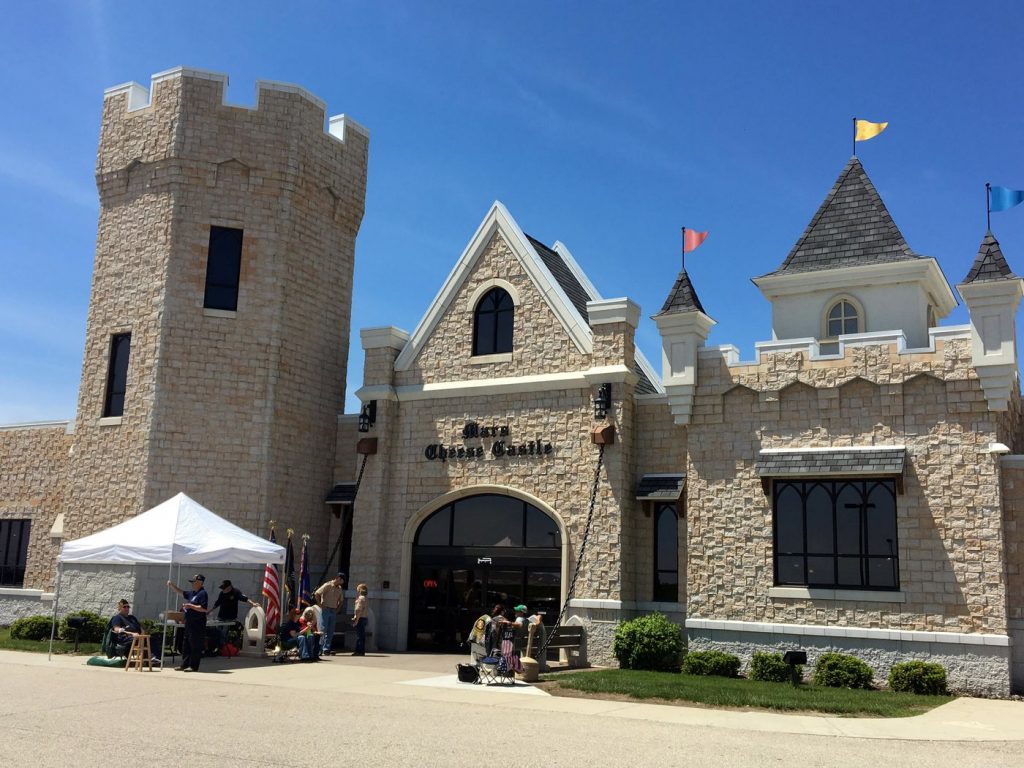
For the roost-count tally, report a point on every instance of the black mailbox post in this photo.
(795, 659)
(76, 623)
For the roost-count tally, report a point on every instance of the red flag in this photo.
(272, 591)
(692, 239)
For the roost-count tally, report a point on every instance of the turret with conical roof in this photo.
(684, 327)
(852, 271)
(992, 292)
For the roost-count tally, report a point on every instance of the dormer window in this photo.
(492, 323)
(842, 318)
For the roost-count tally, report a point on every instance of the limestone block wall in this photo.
(236, 409)
(950, 533)
(539, 343)
(1013, 526)
(34, 461)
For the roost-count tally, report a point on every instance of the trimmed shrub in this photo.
(92, 632)
(715, 663)
(648, 642)
(924, 678)
(770, 668)
(840, 670)
(32, 628)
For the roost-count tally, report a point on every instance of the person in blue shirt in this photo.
(195, 608)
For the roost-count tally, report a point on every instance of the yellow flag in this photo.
(867, 130)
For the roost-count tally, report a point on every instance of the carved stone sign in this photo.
(500, 445)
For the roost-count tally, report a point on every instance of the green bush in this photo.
(921, 677)
(770, 668)
(839, 670)
(32, 628)
(91, 632)
(648, 642)
(711, 663)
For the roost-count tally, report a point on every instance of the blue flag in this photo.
(305, 592)
(1003, 198)
(289, 575)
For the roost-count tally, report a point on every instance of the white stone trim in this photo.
(110, 421)
(17, 592)
(498, 219)
(622, 310)
(57, 529)
(626, 605)
(810, 449)
(208, 312)
(906, 636)
(608, 605)
(486, 285)
(277, 85)
(36, 425)
(500, 357)
(859, 595)
(544, 382)
(377, 392)
(340, 125)
(383, 337)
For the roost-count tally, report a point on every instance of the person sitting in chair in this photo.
(288, 634)
(309, 636)
(124, 628)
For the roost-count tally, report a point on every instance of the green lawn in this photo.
(744, 694)
(42, 646)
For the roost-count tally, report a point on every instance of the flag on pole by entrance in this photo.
(692, 239)
(868, 130)
(272, 590)
(289, 572)
(1003, 199)
(305, 592)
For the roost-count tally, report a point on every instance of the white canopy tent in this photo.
(180, 531)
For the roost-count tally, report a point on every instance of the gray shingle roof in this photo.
(989, 264)
(342, 493)
(852, 227)
(579, 297)
(682, 297)
(660, 487)
(810, 463)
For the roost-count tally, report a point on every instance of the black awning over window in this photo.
(833, 462)
(342, 493)
(660, 487)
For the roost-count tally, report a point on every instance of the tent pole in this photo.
(167, 608)
(56, 599)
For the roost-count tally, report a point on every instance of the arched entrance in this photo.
(477, 551)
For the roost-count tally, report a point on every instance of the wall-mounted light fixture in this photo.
(602, 401)
(368, 416)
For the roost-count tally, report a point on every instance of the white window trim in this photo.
(487, 285)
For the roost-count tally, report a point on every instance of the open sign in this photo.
(430, 583)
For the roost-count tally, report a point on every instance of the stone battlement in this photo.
(137, 97)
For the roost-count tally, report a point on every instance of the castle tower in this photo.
(684, 328)
(217, 336)
(992, 292)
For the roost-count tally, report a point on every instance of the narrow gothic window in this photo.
(666, 553)
(842, 318)
(492, 323)
(117, 374)
(223, 265)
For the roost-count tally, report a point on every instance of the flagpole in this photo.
(855, 137)
(683, 249)
(988, 206)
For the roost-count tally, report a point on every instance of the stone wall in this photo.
(34, 461)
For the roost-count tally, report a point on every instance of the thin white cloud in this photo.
(40, 326)
(24, 169)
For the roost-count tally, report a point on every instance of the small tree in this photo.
(648, 642)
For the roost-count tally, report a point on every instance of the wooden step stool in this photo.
(140, 654)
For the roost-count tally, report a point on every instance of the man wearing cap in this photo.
(227, 606)
(331, 597)
(195, 608)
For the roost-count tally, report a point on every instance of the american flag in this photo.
(272, 591)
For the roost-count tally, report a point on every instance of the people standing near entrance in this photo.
(331, 597)
(360, 620)
(227, 606)
(195, 608)
(509, 632)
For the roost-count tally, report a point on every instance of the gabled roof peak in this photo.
(851, 227)
(989, 264)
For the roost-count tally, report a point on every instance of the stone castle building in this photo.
(855, 487)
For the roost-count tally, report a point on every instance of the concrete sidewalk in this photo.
(432, 678)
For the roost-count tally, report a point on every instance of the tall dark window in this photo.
(489, 520)
(223, 264)
(492, 323)
(666, 553)
(13, 551)
(836, 533)
(117, 374)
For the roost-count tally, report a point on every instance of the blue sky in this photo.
(605, 125)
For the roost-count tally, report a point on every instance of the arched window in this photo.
(842, 318)
(666, 553)
(492, 323)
